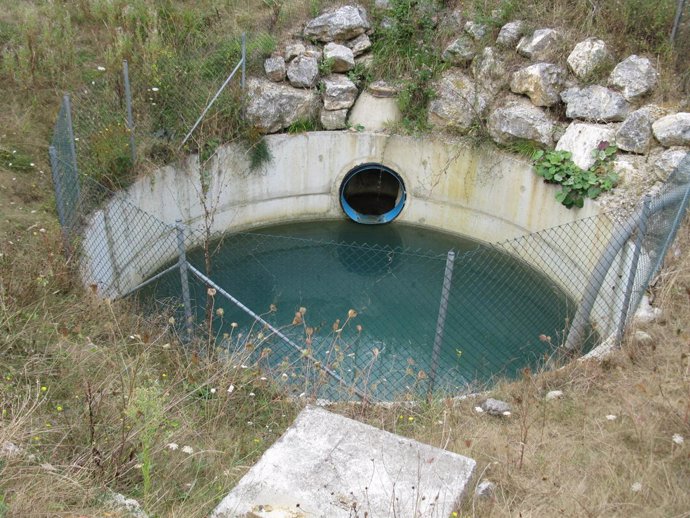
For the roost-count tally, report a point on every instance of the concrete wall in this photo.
(478, 192)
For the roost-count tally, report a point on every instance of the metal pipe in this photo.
(244, 59)
(619, 237)
(641, 231)
(203, 278)
(208, 107)
(183, 264)
(441, 321)
(676, 21)
(130, 117)
(152, 279)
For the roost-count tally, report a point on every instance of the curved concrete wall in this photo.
(479, 192)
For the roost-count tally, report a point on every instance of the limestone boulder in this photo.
(489, 71)
(334, 119)
(595, 103)
(383, 89)
(582, 140)
(540, 45)
(459, 103)
(635, 76)
(338, 92)
(668, 160)
(359, 45)
(341, 57)
(303, 71)
(541, 82)
(518, 119)
(460, 51)
(341, 24)
(635, 134)
(673, 130)
(275, 68)
(588, 57)
(477, 31)
(275, 106)
(293, 49)
(510, 34)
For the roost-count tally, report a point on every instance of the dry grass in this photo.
(105, 369)
(564, 457)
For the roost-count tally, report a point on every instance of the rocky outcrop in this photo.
(275, 68)
(460, 51)
(459, 103)
(273, 107)
(673, 130)
(541, 82)
(477, 31)
(589, 56)
(595, 103)
(342, 24)
(667, 161)
(489, 71)
(519, 119)
(334, 119)
(540, 44)
(510, 34)
(303, 71)
(582, 139)
(635, 134)
(338, 92)
(634, 76)
(342, 58)
(359, 45)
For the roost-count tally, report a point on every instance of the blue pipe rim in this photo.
(367, 219)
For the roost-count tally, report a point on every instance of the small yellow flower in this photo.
(410, 418)
(58, 408)
(44, 389)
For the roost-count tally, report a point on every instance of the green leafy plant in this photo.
(576, 183)
(326, 66)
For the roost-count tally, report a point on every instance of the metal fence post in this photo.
(182, 262)
(441, 321)
(70, 133)
(641, 231)
(244, 59)
(676, 20)
(130, 117)
(59, 200)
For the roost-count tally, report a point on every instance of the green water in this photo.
(391, 275)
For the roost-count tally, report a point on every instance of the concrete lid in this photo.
(326, 465)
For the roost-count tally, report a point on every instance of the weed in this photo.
(259, 154)
(576, 183)
(407, 50)
(326, 66)
(302, 125)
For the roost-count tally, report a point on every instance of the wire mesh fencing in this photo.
(342, 320)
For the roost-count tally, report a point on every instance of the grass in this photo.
(97, 395)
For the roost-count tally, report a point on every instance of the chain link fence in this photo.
(338, 320)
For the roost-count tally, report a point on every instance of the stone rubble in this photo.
(478, 91)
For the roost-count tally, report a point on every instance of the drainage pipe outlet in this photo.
(372, 194)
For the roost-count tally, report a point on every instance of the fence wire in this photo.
(337, 319)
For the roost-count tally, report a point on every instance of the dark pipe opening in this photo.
(372, 194)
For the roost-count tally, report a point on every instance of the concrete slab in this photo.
(329, 466)
(374, 113)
